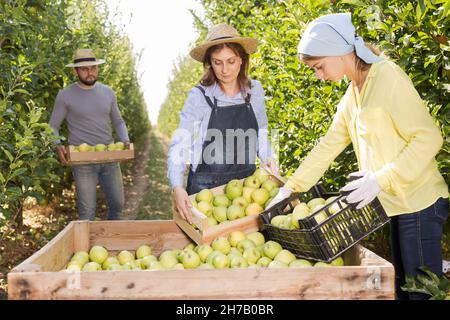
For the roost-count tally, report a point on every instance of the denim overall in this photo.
(240, 116)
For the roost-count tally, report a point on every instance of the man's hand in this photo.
(182, 203)
(62, 155)
(126, 144)
(271, 167)
(281, 195)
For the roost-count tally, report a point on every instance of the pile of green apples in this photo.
(303, 210)
(241, 198)
(237, 250)
(84, 147)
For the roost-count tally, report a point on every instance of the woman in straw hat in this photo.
(223, 123)
(394, 137)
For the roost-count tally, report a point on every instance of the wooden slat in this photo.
(54, 255)
(81, 236)
(263, 283)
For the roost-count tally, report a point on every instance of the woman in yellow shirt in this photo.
(395, 140)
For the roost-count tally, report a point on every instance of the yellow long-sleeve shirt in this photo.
(392, 134)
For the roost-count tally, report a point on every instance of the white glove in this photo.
(282, 194)
(363, 190)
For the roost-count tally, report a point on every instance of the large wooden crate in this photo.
(366, 276)
(205, 234)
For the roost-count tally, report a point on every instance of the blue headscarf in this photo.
(334, 35)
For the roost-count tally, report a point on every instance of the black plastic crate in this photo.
(327, 240)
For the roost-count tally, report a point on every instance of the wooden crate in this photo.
(205, 234)
(366, 276)
(99, 156)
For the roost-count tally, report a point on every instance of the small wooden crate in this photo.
(365, 276)
(205, 234)
(99, 156)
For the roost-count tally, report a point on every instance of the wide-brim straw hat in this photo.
(223, 33)
(84, 58)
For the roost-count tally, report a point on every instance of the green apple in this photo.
(75, 149)
(205, 195)
(92, 266)
(168, 260)
(277, 220)
(257, 237)
(261, 174)
(240, 201)
(114, 267)
(277, 264)
(338, 262)
(322, 264)
(285, 256)
(301, 211)
(251, 255)
(109, 261)
(191, 260)
(156, 265)
(300, 263)
(212, 221)
(221, 244)
(74, 266)
(266, 204)
(205, 207)
(245, 244)
(204, 251)
(269, 185)
(238, 262)
(235, 252)
(330, 199)
(84, 147)
(120, 145)
(271, 249)
(221, 261)
(235, 212)
(334, 208)
(221, 200)
(178, 266)
(189, 246)
(220, 214)
(235, 236)
(233, 189)
(320, 217)
(143, 251)
(127, 266)
(253, 208)
(100, 147)
(146, 261)
(260, 196)
(314, 202)
(247, 193)
(205, 266)
(211, 256)
(274, 192)
(81, 256)
(124, 256)
(287, 223)
(263, 262)
(261, 250)
(112, 147)
(252, 182)
(98, 254)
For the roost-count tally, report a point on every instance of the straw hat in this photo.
(223, 33)
(84, 58)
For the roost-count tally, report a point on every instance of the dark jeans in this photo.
(415, 242)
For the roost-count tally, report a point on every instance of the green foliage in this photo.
(428, 283)
(414, 34)
(37, 40)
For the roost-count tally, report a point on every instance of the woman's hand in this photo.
(271, 167)
(182, 203)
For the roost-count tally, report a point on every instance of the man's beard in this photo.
(87, 82)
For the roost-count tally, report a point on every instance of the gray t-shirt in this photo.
(90, 113)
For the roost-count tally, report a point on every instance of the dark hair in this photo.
(360, 64)
(210, 78)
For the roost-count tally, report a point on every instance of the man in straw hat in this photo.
(223, 123)
(90, 109)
